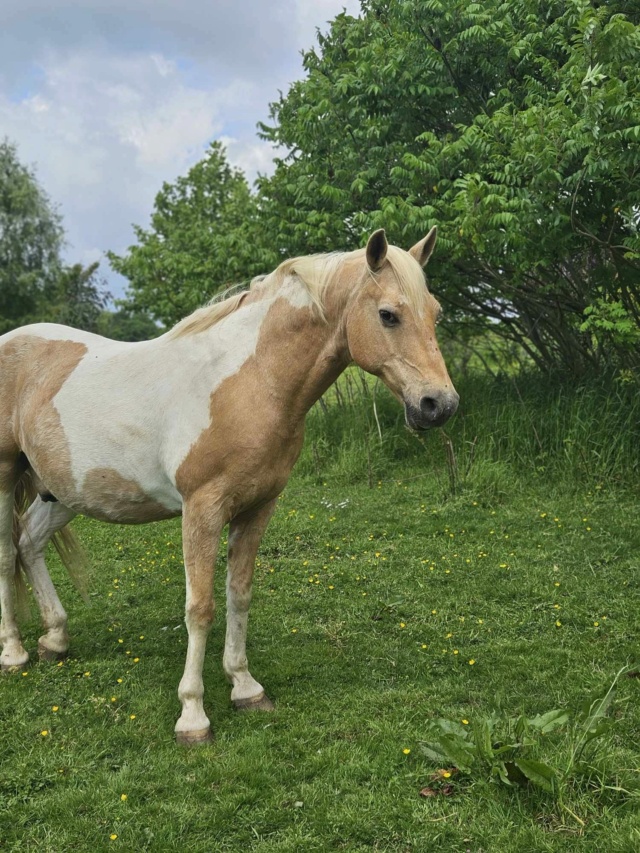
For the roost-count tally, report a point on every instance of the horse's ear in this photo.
(377, 249)
(422, 250)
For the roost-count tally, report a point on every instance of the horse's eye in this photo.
(388, 319)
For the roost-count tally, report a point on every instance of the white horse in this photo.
(206, 422)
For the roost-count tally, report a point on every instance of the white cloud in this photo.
(108, 113)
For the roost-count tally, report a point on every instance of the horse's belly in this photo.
(109, 496)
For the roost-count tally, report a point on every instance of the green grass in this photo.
(362, 598)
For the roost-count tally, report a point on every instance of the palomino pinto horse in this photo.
(206, 422)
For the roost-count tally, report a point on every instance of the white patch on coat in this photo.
(138, 408)
(294, 291)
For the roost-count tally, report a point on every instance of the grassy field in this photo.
(390, 591)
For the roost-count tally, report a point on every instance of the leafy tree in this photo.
(202, 239)
(77, 298)
(125, 325)
(30, 242)
(515, 126)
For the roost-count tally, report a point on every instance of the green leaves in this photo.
(30, 242)
(205, 235)
(524, 116)
(507, 749)
(537, 772)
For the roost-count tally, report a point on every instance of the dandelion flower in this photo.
(123, 797)
(471, 662)
(465, 722)
(132, 716)
(113, 836)
(446, 774)
(44, 732)
(54, 708)
(406, 751)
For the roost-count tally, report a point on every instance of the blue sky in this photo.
(109, 98)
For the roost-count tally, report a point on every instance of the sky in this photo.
(107, 99)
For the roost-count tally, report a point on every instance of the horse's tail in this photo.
(71, 552)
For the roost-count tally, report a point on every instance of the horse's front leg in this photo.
(245, 533)
(202, 523)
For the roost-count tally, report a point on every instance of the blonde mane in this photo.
(312, 273)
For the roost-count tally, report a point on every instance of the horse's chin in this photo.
(414, 420)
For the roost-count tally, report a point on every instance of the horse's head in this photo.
(391, 331)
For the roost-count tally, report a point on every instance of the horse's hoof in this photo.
(255, 703)
(7, 668)
(195, 738)
(50, 654)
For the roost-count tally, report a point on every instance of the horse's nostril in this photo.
(429, 407)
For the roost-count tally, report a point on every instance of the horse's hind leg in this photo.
(38, 524)
(13, 653)
(245, 533)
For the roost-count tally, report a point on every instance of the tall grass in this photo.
(505, 430)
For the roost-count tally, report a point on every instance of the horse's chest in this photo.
(248, 460)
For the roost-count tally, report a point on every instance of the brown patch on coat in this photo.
(32, 371)
(108, 496)
(256, 423)
(42, 369)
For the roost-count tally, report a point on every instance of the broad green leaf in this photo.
(453, 749)
(549, 721)
(540, 774)
(452, 727)
(482, 738)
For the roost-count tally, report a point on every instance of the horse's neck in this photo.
(299, 356)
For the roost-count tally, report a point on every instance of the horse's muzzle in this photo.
(434, 410)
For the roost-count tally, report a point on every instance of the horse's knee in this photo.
(200, 613)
